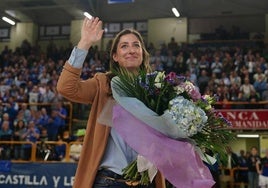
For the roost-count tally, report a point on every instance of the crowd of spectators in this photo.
(232, 73)
(29, 76)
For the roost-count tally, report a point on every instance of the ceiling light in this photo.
(247, 136)
(175, 12)
(8, 20)
(86, 14)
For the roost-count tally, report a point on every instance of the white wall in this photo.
(161, 30)
(245, 23)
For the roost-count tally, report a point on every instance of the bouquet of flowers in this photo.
(181, 104)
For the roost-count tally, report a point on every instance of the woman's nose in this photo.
(132, 49)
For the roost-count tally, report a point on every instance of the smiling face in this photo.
(129, 52)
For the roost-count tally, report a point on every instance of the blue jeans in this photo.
(114, 181)
(253, 178)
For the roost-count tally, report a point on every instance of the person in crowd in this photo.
(250, 63)
(62, 114)
(34, 97)
(53, 125)
(27, 114)
(5, 117)
(42, 148)
(10, 111)
(214, 168)
(252, 162)
(19, 131)
(191, 61)
(47, 95)
(180, 66)
(225, 79)
(76, 148)
(232, 161)
(216, 67)
(97, 66)
(31, 135)
(203, 64)
(227, 63)
(202, 81)
(265, 97)
(260, 85)
(262, 169)
(6, 134)
(42, 118)
(102, 160)
(169, 63)
(259, 75)
(234, 78)
(158, 58)
(242, 163)
(60, 149)
(246, 90)
(172, 45)
(232, 158)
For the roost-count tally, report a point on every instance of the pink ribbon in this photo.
(176, 160)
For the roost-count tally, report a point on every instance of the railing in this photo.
(229, 177)
(35, 149)
(241, 104)
(74, 124)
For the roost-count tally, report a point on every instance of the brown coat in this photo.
(96, 92)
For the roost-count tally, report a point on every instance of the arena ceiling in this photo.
(51, 12)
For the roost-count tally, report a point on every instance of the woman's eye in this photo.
(124, 46)
(137, 45)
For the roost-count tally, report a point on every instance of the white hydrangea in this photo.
(187, 116)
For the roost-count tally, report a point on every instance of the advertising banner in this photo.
(41, 175)
(248, 119)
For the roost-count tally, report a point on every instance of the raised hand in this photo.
(91, 32)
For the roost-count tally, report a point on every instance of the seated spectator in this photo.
(76, 148)
(31, 135)
(34, 97)
(227, 63)
(5, 117)
(60, 149)
(97, 67)
(259, 75)
(19, 131)
(246, 91)
(27, 115)
(203, 64)
(202, 81)
(191, 61)
(225, 79)
(260, 85)
(216, 67)
(235, 79)
(5, 135)
(265, 97)
(43, 148)
(158, 58)
(234, 92)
